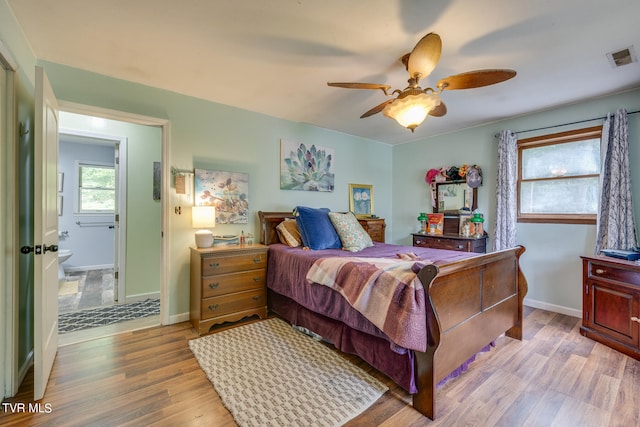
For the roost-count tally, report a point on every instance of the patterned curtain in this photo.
(506, 195)
(616, 221)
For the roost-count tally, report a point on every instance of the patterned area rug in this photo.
(85, 319)
(268, 374)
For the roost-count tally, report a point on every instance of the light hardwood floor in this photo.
(554, 377)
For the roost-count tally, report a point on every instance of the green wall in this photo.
(552, 260)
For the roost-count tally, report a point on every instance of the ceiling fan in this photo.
(412, 104)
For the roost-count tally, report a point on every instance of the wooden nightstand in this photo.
(227, 284)
(611, 303)
(452, 242)
(375, 227)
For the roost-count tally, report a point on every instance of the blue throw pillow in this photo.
(316, 228)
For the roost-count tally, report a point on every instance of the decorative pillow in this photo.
(316, 229)
(354, 238)
(288, 233)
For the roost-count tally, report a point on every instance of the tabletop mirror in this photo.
(451, 196)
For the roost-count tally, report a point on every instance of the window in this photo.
(96, 188)
(558, 177)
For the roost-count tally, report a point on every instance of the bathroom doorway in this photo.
(92, 206)
(109, 224)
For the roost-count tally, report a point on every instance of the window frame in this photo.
(555, 139)
(79, 165)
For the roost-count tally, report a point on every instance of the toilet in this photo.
(63, 255)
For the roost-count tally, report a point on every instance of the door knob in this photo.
(50, 248)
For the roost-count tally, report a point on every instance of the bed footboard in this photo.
(469, 304)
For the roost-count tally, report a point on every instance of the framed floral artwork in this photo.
(306, 167)
(361, 200)
(228, 192)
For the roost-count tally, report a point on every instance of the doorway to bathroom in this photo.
(109, 224)
(92, 206)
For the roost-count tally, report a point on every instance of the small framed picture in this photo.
(361, 200)
(60, 181)
(59, 205)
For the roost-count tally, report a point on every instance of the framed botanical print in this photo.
(306, 168)
(361, 200)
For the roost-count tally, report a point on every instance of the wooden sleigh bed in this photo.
(470, 300)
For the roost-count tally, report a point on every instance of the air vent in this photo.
(622, 57)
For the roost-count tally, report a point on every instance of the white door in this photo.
(45, 217)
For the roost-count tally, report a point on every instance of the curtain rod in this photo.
(566, 124)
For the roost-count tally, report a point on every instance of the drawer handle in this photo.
(460, 246)
(635, 319)
(214, 285)
(599, 270)
(418, 242)
(256, 297)
(214, 307)
(257, 260)
(214, 265)
(257, 278)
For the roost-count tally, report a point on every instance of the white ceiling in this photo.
(275, 57)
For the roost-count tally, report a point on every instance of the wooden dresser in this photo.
(227, 284)
(611, 303)
(375, 227)
(452, 242)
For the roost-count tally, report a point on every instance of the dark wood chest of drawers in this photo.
(375, 227)
(452, 242)
(611, 303)
(227, 284)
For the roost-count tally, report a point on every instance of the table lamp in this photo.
(203, 217)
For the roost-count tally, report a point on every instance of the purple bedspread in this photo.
(327, 313)
(288, 267)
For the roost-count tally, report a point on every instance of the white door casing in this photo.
(45, 232)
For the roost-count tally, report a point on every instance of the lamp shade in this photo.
(203, 217)
(411, 109)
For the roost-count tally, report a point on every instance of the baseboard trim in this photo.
(179, 318)
(141, 297)
(86, 267)
(553, 307)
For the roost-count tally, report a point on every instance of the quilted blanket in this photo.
(385, 291)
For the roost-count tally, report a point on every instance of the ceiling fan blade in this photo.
(373, 86)
(473, 79)
(425, 56)
(439, 110)
(377, 108)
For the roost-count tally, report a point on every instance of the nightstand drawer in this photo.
(233, 282)
(233, 263)
(611, 272)
(221, 305)
(434, 242)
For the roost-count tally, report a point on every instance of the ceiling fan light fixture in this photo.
(411, 109)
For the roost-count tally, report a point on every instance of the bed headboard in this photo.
(268, 223)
